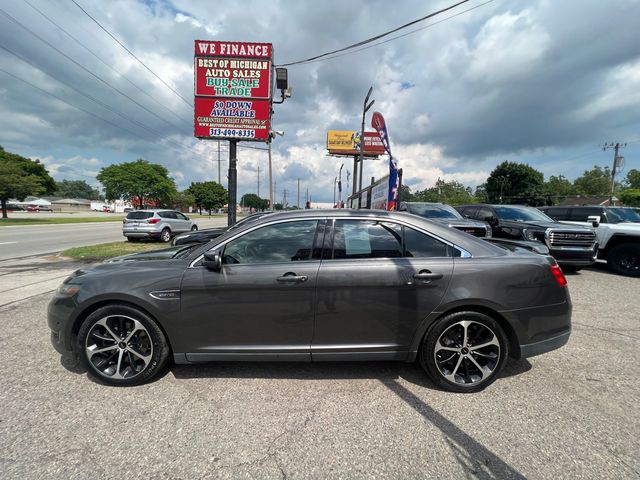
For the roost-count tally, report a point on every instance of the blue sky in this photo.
(541, 82)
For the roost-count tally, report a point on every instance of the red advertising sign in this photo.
(232, 90)
(235, 77)
(232, 118)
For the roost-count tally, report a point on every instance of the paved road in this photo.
(572, 413)
(20, 241)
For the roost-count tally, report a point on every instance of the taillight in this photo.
(153, 220)
(556, 271)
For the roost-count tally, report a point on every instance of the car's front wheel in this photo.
(624, 259)
(120, 345)
(165, 235)
(194, 228)
(464, 351)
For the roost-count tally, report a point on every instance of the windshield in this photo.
(617, 215)
(427, 210)
(521, 214)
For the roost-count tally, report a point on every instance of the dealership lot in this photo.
(570, 413)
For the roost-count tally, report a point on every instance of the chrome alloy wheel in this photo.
(467, 352)
(119, 347)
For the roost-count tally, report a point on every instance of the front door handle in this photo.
(291, 277)
(427, 276)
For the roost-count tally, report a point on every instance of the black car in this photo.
(573, 247)
(447, 215)
(316, 285)
(208, 234)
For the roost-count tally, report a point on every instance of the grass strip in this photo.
(95, 253)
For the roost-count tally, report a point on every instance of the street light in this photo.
(335, 182)
(272, 135)
(365, 109)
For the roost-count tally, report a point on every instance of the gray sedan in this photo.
(318, 286)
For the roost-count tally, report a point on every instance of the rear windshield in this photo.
(139, 215)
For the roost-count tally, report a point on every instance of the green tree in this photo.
(208, 195)
(515, 183)
(252, 200)
(405, 194)
(20, 176)
(630, 197)
(557, 189)
(633, 179)
(139, 180)
(76, 189)
(453, 193)
(596, 181)
(481, 193)
(183, 200)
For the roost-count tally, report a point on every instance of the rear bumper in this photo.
(544, 346)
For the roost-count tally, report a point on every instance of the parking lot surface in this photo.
(572, 413)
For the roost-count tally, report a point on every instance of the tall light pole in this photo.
(340, 186)
(617, 163)
(335, 182)
(272, 135)
(365, 108)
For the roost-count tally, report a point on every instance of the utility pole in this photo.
(219, 163)
(275, 195)
(298, 193)
(340, 187)
(335, 182)
(284, 198)
(617, 163)
(233, 183)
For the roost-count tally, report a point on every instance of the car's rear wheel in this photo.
(165, 235)
(120, 345)
(464, 351)
(624, 259)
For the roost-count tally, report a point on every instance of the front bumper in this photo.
(579, 257)
(59, 319)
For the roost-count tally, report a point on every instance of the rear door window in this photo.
(557, 213)
(581, 214)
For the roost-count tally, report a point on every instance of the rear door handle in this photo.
(427, 276)
(291, 277)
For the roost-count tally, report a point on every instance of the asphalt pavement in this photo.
(572, 413)
(28, 240)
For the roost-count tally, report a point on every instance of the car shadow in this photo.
(383, 371)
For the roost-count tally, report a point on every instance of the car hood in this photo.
(162, 254)
(544, 225)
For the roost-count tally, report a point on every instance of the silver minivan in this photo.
(160, 224)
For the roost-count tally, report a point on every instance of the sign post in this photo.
(232, 87)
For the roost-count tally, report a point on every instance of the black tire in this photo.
(194, 228)
(624, 259)
(165, 235)
(113, 361)
(457, 358)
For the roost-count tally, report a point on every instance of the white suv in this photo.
(160, 224)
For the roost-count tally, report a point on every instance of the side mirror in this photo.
(212, 261)
(491, 220)
(594, 219)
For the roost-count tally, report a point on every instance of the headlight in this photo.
(531, 235)
(68, 289)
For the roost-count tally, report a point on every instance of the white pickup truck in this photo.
(617, 229)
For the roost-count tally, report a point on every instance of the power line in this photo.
(372, 39)
(132, 54)
(17, 22)
(401, 36)
(180, 150)
(93, 99)
(78, 42)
